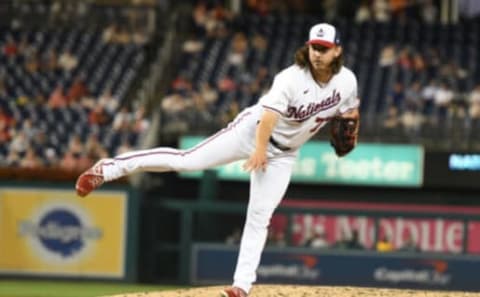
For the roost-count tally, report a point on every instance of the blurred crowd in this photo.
(51, 114)
(317, 239)
(417, 102)
(429, 91)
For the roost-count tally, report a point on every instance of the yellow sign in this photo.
(54, 232)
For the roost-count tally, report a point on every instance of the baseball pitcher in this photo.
(303, 98)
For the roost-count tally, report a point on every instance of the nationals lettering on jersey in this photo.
(302, 113)
(304, 105)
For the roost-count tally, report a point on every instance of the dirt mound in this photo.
(305, 291)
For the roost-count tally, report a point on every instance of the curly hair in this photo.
(302, 60)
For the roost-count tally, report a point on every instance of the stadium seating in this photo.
(102, 65)
(362, 44)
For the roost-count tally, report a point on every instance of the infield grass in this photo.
(23, 288)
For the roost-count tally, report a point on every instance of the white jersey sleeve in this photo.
(351, 101)
(280, 93)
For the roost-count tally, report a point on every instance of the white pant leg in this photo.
(223, 147)
(266, 191)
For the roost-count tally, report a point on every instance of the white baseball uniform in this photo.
(303, 105)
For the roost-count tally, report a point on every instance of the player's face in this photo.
(321, 57)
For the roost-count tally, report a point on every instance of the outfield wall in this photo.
(214, 264)
(51, 232)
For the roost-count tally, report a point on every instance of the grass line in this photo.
(21, 288)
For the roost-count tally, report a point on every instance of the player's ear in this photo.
(338, 51)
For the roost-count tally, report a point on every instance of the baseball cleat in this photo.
(90, 179)
(233, 292)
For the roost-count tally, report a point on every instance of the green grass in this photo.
(20, 288)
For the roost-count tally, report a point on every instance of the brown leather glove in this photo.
(344, 134)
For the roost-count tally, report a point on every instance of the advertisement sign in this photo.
(368, 164)
(53, 232)
(431, 235)
(307, 266)
(452, 170)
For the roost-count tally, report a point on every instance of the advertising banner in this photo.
(302, 266)
(368, 164)
(452, 170)
(427, 234)
(53, 232)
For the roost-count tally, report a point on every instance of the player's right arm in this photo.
(258, 159)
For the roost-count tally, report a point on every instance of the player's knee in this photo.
(183, 163)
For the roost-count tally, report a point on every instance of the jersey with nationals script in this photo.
(305, 105)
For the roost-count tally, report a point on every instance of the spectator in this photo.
(51, 158)
(381, 10)
(234, 238)
(384, 244)
(6, 122)
(397, 97)
(398, 8)
(19, 143)
(13, 159)
(412, 118)
(409, 245)
(124, 147)
(108, 101)
(418, 62)
(387, 56)
(428, 12)
(10, 49)
(122, 120)
(93, 146)
(231, 112)
(428, 97)
(50, 61)
(67, 61)
(443, 100)
(77, 91)
(31, 160)
(98, 116)
(351, 242)
(364, 12)
(413, 97)
(318, 240)
(69, 161)
(238, 50)
(209, 94)
(226, 84)
(140, 121)
(75, 144)
(32, 64)
(57, 99)
(259, 43)
(276, 238)
(404, 59)
(474, 103)
(182, 83)
(83, 161)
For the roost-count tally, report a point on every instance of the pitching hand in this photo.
(257, 160)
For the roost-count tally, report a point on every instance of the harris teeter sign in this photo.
(368, 164)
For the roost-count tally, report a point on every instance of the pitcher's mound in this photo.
(305, 291)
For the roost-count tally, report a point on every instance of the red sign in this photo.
(432, 235)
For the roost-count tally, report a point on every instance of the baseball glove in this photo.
(343, 134)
